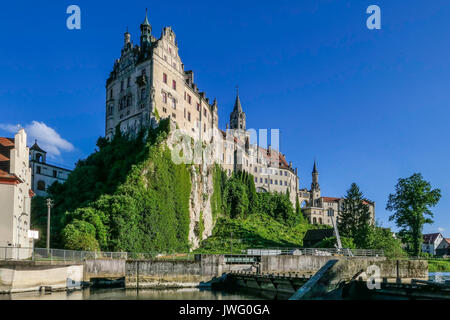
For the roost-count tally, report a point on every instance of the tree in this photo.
(80, 235)
(411, 205)
(382, 238)
(354, 218)
(236, 198)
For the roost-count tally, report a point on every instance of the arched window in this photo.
(41, 185)
(314, 221)
(320, 220)
(38, 157)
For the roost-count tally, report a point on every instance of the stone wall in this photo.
(104, 268)
(287, 263)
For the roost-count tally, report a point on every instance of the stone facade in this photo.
(321, 210)
(44, 174)
(15, 194)
(148, 82)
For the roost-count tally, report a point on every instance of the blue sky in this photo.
(370, 105)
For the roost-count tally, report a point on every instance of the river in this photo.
(170, 294)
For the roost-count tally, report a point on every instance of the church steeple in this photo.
(237, 117)
(315, 178)
(146, 31)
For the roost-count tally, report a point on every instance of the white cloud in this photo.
(441, 229)
(48, 139)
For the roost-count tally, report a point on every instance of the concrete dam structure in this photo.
(283, 273)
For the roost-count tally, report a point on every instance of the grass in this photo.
(438, 265)
(255, 231)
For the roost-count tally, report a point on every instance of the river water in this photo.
(171, 294)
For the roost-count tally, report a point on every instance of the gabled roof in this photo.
(6, 144)
(430, 237)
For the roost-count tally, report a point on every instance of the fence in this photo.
(42, 254)
(317, 252)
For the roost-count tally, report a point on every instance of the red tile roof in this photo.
(330, 199)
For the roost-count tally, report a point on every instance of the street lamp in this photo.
(49, 206)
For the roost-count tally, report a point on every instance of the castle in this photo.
(149, 82)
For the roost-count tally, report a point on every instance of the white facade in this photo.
(15, 195)
(431, 242)
(44, 174)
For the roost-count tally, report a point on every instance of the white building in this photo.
(44, 174)
(15, 196)
(431, 242)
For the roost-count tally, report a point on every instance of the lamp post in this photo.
(49, 206)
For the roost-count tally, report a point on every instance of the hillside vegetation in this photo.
(126, 196)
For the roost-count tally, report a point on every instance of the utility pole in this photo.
(231, 242)
(49, 206)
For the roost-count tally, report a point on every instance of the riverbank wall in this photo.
(22, 276)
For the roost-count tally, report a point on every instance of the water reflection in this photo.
(129, 294)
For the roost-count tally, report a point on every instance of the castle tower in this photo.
(315, 187)
(126, 39)
(146, 32)
(237, 117)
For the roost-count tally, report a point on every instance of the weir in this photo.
(302, 277)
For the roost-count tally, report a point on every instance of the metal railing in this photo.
(55, 255)
(317, 252)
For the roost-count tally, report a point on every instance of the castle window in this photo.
(265, 180)
(204, 112)
(314, 221)
(198, 107)
(285, 173)
(256, 169)
(189, 116)
(256, 180)
(189, 99)
(164, 110)
(165, 78)
(38, 170)
(276, 182)
(164, 97)
(185, 113)
(54, 173)
(41, 185)
(320, 220)
(285, 183)
(174, 85)
(271, 182)
(260, 180)
(174, 103)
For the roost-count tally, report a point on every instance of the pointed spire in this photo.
(146, 19)
(237, 104)
(315, 167)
